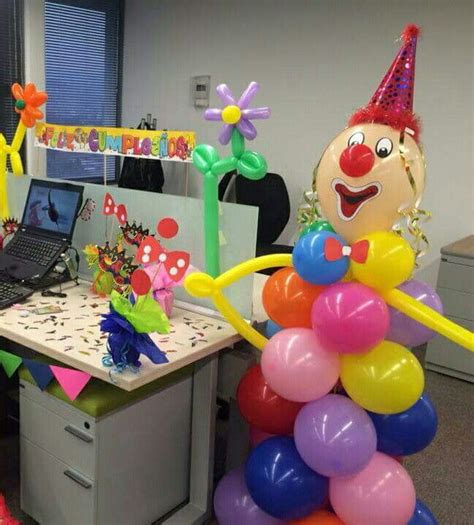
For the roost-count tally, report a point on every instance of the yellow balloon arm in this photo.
(429, 317)
(251, 266)
(19, 136)
(203, 285)
(4, 210)
(237, 321)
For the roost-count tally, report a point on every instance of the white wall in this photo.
(316, 62)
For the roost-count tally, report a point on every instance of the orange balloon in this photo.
(320, 517)
(288, 299)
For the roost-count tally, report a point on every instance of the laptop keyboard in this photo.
(32, 249)
(11, 293)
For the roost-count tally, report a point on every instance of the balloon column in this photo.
(338, 397)
(27, 103)
(237, 127)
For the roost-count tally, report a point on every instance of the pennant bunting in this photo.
(71, 381)
(41, 373)
(10, 362)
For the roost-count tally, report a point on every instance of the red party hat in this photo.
(392, 102)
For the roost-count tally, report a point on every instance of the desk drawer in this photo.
(456, 277)
(457, 304)
(52, 492)
(68, 440)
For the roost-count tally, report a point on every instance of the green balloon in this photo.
(318, 226)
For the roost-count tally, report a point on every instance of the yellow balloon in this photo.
(387, 380)
(390, 261)
(16, 163)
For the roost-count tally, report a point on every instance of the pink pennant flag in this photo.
(72, 381)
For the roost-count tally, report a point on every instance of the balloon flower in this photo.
(236, 116)
(339, 392)
(27, 103)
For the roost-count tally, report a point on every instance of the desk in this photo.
(73, 337)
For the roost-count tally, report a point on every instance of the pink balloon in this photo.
(257, 436)
(350, 318)
(383, 492)
(297, 367)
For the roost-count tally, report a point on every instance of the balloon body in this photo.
(288, 299)
(261, 407)
(297, 367)
(320, 517)
(233, 504)
(317, 226)
(382, 493)
(349, 318)
(422, 515)
(310, 261)
(257, 436)
(281, 483)
(387, 380)
(408, 432)
(271, 328)
(407, 331)
(334, 436)
(390, 261)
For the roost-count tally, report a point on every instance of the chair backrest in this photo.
(271, 198)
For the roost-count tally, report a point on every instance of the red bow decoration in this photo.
(334, 250)
(176, 262)
(110, 208)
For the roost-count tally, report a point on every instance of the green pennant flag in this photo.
(10, 362)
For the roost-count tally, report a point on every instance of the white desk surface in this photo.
(73, 336)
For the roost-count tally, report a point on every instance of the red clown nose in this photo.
(356, 160)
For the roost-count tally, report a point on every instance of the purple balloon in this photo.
(335, 436)
(233, 504)
(406, 331)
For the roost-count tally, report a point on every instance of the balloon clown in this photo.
(27, 103)
(338, 399)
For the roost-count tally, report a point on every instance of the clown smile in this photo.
(350, 199)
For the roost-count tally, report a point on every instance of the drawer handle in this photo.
(77, 432)
(75, 476)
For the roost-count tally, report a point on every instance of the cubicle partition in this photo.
(238, 226)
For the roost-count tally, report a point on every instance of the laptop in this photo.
(45, 232)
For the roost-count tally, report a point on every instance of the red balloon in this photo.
(140, 281)
(262, 408)
(288, 299)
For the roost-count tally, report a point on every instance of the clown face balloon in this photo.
(374, 170)
(368, 175)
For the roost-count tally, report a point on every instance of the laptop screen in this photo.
(52, 207)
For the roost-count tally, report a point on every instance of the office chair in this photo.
(271, 198)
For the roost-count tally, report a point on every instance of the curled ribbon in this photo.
(334, 250)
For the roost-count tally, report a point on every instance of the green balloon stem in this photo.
(211, 224)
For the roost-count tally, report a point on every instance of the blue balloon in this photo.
(311, 263)
(407, 432)
(272, 328)
(422, 515)
(281, 483)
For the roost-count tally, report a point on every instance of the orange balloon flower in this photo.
(27, 103)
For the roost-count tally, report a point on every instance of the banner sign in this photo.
(151, 144)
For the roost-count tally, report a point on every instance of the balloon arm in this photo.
(4, 210)
(19, 136)
(251, 266)
(202, 285)
(238, 322)
(429, 317)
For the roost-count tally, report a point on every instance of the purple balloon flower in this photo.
(237, 114)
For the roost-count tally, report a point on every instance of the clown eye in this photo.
(384, 147)
(356, 138)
